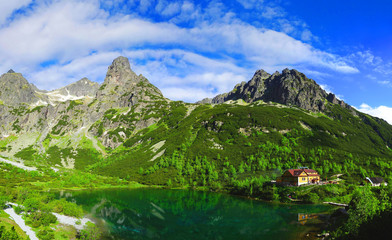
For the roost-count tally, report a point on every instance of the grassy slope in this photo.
(255, 140)
(281, 137)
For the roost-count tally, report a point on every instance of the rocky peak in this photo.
(289, 87)
(261, 74)
(122, 87)
(83, 87)
(120, 72)
(120, 63)
(15, 89)
(10, 71)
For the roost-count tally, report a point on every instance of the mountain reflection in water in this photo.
(187, 214)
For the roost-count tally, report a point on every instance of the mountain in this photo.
(289, 87)
(15, 89)
(83, 87)
(125, 127)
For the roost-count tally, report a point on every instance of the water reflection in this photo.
(184, 214)
(304, 217)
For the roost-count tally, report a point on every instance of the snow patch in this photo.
(19, 220)
(158, 145)
(39, 103)
(56, 96)
(19, 165)
(158, 155)
(72, 221)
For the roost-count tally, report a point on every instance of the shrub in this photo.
(90, 232)
(42, 218)
(46, 234)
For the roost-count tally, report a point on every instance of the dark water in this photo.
(187, 214)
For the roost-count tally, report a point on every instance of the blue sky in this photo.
(197, 49)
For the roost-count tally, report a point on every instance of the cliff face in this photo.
(289, 88)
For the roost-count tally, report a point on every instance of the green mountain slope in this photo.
(256, 139)
(126, 128)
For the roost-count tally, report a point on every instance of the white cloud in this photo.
(181, 59)
(383, 112)
(306, 35)
(384, 82)
(81, 39)
(272, 12)
(7, 7)
(144, 5)
(326, 88)
(186, 94)
(385, 69)
(367, 57)
(69, 29)
(209, 76)
(93, 67)
(217, 83)
(206, 77)
(251, 4)
(168, 9)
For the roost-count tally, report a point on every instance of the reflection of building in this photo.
(303, 217)
(299, 176)
(376, 181)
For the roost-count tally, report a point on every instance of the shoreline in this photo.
(312, 229)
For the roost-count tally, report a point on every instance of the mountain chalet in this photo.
(297, 177)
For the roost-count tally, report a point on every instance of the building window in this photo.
(303, 179)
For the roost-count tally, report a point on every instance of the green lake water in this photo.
(186, 214)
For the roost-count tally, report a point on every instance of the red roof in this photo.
(297, 172)
(311, 172)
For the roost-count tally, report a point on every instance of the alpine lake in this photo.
(150, 213)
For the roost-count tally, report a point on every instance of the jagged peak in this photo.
(290, 87)
(276, 73)
(80, 88)
(85, 81)
(11, 71)
(15, 89)
(13, 77)
(261, 73)
(120, 63)
(120, 72)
